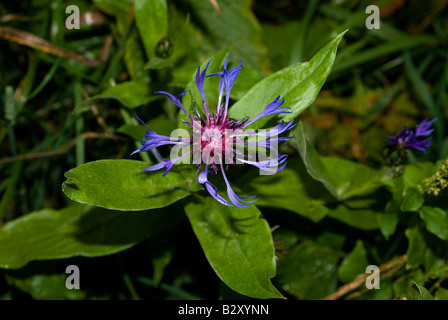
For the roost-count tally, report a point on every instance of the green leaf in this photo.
(136, 132)
(299, 84)
(388, 221)
(291, 189)
(247, 78)
(441, 294)
(113, 7)
(354, 264)
(405, 189)
(151, 17)
(426, 250)
(131, 94)
(135, 58)
(10, 105)
(414, 174)
(160, 124)
(234, 22)
(312, 160)
(122, 185)
(436, 221)
(385, 292)
(159, 63)
(412, 200)
(351, 178)
(342, 178)
(363, 218)
(403, 284)
(78, 230)
(419, 293)
(43, 280)
(308, 271)
(238, 245)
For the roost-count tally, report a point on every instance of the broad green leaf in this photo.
(136, 132)
(43, 280)
(131, 94)
(159, 124)
(298, 84)
(406, 188)
(78, 230)
(385, 292)
(247, 78)
(291, 189)
(159, 63)
(417, 292)
(342, 178)
(122, 185)
(414, 174)
(362, 218)
(238, 245)
(113, 7)
(308, 271)
(235, 22)
(312, 160)
(135, 58)
(441, 294)
(436, 221)
(151, 17)
(388, 221)
(354, 264)
(426, 250)
(403, 284)
(397, 187)
(351, 178)
(416, 252)
(412, 199)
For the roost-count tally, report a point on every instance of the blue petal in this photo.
(235, 199)
(271, 109)
(176, 100)
(211, 188)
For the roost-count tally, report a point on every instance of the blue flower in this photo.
(219, 140)
(411, 138)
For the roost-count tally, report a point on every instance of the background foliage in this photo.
(68, 103)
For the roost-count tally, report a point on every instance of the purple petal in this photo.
(211, 188)
(176, 100)
(200, 76)
(165, 164)
(424, 128)
(271, 109)
(235, 199)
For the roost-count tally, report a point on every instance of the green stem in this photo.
(127, 281)
(79, 125)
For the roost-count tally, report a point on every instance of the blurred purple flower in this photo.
(222, 137)
(409, 138)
